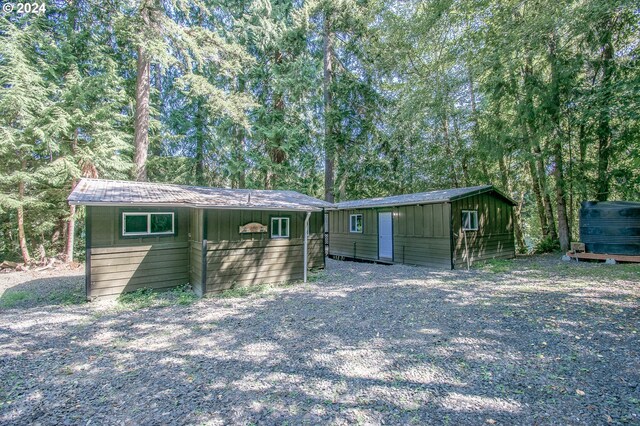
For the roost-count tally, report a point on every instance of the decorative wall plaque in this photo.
(253, 227)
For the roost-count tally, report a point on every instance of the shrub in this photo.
(141, 298)
(547, 245)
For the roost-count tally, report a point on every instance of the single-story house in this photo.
(442, 229)
(141, 234)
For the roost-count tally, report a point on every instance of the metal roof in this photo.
(440, 196)
(99, 192)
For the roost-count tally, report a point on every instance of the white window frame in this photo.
(470, 213)
(355, 230)
(148, 232)
(280, 220)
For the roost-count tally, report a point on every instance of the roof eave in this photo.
(489, 188)
(381, 206)
(193, 205)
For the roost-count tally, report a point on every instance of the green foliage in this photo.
(146, 297)
(423, 96)
(496, 266)
(18, 298)
(237, 292)
(138, 299)
(14, 298)
(547, 245)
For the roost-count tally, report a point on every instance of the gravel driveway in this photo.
(531, 341)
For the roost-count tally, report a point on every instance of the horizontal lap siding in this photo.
(120, 264)
(114, 272)
(362, 245)
(195, 250)
(238, 260)
(494, 238)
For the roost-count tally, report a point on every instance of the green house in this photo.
(442, 229)
(149, 235)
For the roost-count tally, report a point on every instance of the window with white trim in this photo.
(470, 220)
(279, 227)
(147, 223)
(355, 223)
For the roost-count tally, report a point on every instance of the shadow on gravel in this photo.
(393, 350)
(44, 292)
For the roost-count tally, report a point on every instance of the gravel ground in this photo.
(530, 341)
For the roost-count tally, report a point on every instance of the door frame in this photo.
(378, 235)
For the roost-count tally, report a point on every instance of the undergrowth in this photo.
(147, 297)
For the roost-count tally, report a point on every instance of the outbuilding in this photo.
(149, 235)
(442, 229)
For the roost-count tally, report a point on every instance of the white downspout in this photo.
(306, 244)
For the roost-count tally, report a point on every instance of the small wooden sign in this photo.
(253, 227)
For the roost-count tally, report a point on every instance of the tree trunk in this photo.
(537, 167)
(141, 123)
(522, 246)
(517, 225)
(604, 125)
(21, 234)
(71, 222)
(546, 198)
(449, 151)
(535, 186)
(329, 143)
(71, 230)
(240, 175)
(564, 232)
(582, 166)
(239, 147)
(198, 125)
(276, 154)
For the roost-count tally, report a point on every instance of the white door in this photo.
(385, 236)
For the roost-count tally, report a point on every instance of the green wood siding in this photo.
(494, 238)
(420, 235)
(362, 245)
(238, 260)
(121, 265)
(195, 250)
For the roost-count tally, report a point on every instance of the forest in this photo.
(338, 99)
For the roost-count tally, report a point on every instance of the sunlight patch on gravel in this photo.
(461, 402)
(363, 344)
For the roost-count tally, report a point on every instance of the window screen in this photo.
(355, 223)
(470, 220)
(161, 223)
(279, 227)
(137, 223)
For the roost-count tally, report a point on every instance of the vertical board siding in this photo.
(345, 243)
(494, 238)
(119, 265)
(238, 260)
(420, 235)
